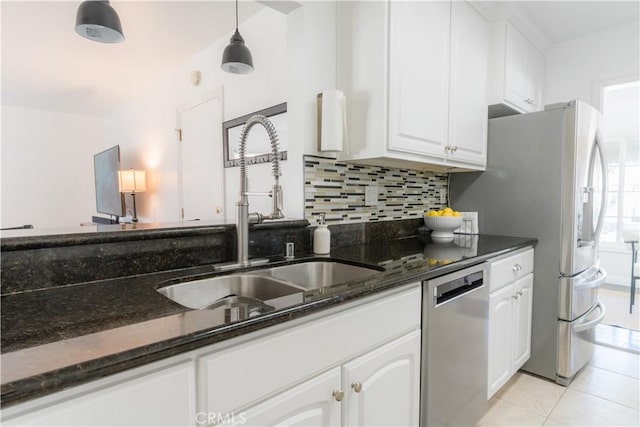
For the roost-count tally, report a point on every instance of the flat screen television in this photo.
(109, 199)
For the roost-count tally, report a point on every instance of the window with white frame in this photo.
(620, 130)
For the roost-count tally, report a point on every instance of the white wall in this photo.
(47, 167)
(145, 127)
(574, 67)
(294, 58)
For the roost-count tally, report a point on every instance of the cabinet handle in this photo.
(516, 267)
(357, 386)
(447, 148)
(514, 296)
(520, 293)
(338, 395)
(455, 148)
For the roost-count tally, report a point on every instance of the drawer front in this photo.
(510, 268)
(237, 377)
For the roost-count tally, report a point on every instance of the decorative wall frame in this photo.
(258, 146)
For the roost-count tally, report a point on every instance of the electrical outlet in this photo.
(371, 195)
(443, 196)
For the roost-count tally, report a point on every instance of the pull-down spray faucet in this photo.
(243, 217)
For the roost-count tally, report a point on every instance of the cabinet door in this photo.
(536, 77)
(516, 78)
(382, 387)
(470, 42)
(500, 338)
(419, 77)
(163, 398)
(308, 404)
(523, 289)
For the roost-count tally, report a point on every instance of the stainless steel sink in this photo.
(319, 274)
(253, 292)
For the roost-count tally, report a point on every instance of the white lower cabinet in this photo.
(522, 321)
(357, 367)
(311, 403)
(382, 387)
(500, 338)
(163, 397)
(509, 331)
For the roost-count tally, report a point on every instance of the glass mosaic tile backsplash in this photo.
(338, 190)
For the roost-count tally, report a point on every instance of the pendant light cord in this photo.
(236, 14)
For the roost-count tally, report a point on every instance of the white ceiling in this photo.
(45, 65)
(563, 20)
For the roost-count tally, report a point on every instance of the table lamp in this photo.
(132, 181)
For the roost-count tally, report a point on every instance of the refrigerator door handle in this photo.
(601, 277)
(592, 323)
(599, 144)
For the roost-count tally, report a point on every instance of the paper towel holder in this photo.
(331, 114)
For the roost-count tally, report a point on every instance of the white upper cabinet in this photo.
(517, 69)
(419, 77)
(415, 76)
(469, 83)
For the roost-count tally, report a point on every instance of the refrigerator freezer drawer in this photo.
(575, 343)
(579, 294)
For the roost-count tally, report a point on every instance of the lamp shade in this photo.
(132, 181)
(96, 20)
(236, 58)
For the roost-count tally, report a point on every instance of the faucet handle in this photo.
(276, 209)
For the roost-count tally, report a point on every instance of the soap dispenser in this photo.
(321, 238)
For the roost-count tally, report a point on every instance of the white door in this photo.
(382, 387)
(500, 338)
(200, 164)
(309, 404)
(522, 321)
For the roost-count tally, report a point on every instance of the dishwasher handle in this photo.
(458, 287)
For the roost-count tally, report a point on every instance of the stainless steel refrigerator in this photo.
(546, 178)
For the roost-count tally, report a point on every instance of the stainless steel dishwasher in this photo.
(455, 312)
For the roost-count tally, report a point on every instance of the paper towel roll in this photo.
(332, 120)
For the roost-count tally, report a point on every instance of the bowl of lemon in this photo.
(442, 223)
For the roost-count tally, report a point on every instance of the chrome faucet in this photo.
(243, 217)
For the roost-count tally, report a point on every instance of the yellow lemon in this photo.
(456, 213)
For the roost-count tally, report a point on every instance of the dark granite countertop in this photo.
(64, 336)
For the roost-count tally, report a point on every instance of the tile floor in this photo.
(617, 337)
(617, 303)
(605, 393)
